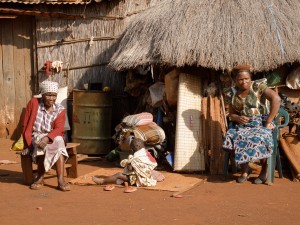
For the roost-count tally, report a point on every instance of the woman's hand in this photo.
(242, 120)
(43, 142)
(269, 125)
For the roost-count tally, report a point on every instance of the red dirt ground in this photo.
(212, 202)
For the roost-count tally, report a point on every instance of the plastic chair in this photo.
(275, 158)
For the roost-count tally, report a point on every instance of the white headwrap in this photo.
(48, 86)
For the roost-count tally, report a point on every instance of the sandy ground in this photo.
(213, 201)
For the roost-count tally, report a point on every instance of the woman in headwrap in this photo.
(251, 138)
(43, 132)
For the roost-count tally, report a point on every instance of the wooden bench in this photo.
(72, 160)
(70, 165)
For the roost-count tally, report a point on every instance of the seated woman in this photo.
(251, 138)
(43, 132)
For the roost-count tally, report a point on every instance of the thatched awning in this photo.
(216, 34)
(51, 2)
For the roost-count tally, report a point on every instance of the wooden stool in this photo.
(70, 165)
(72, 160)
(26, 164)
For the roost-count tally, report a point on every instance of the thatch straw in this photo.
(213, 33)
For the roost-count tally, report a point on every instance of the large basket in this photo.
(188, 156)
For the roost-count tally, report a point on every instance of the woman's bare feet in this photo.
(98, 180)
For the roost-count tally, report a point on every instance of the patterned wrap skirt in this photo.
(251, 141)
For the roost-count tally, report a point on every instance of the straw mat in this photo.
(174, 182)
(188, 127)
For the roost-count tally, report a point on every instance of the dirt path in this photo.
(211, 202)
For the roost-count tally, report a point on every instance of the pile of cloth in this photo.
(143, 127)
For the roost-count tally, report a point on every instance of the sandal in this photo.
(260, 180)
(109, 187)
(36, 186)
(130, 189)
(64, 188)
(244, 178)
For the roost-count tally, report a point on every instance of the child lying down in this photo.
(138, 170)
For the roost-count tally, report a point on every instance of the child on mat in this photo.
(138, 168)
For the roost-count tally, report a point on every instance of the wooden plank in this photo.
(40, 13)
(18, 64)
(72, 152)
(29, 60)
(290, 145)
(26, 164)
(72, 145)
(2, 94)
(8, 77)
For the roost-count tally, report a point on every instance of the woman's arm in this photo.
(58, 126)
(28, 121)
(274, 99)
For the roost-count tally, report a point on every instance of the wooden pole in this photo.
(41, 14)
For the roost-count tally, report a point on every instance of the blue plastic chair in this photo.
(275, 158)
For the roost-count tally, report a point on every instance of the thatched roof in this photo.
(213, 33)
(50, 2)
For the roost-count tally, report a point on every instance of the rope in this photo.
(270, 7)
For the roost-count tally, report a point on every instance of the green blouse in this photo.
(254, 103)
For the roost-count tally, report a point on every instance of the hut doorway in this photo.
(16, 72)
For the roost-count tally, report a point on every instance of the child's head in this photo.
(136, 144)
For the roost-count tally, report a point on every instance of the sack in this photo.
(157, 93)
(62, 95)
(293, 79)
(138, 119)
(19, 145)
(277, 77)
(274, 79)
(150, 133)
(171, 84)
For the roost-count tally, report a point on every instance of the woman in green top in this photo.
(252, 107)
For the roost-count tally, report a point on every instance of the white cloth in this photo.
(143, 164)
(52, 151)
(48, 86)
(62, 96)
(293, 79)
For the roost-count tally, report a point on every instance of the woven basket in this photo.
(188, 156)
